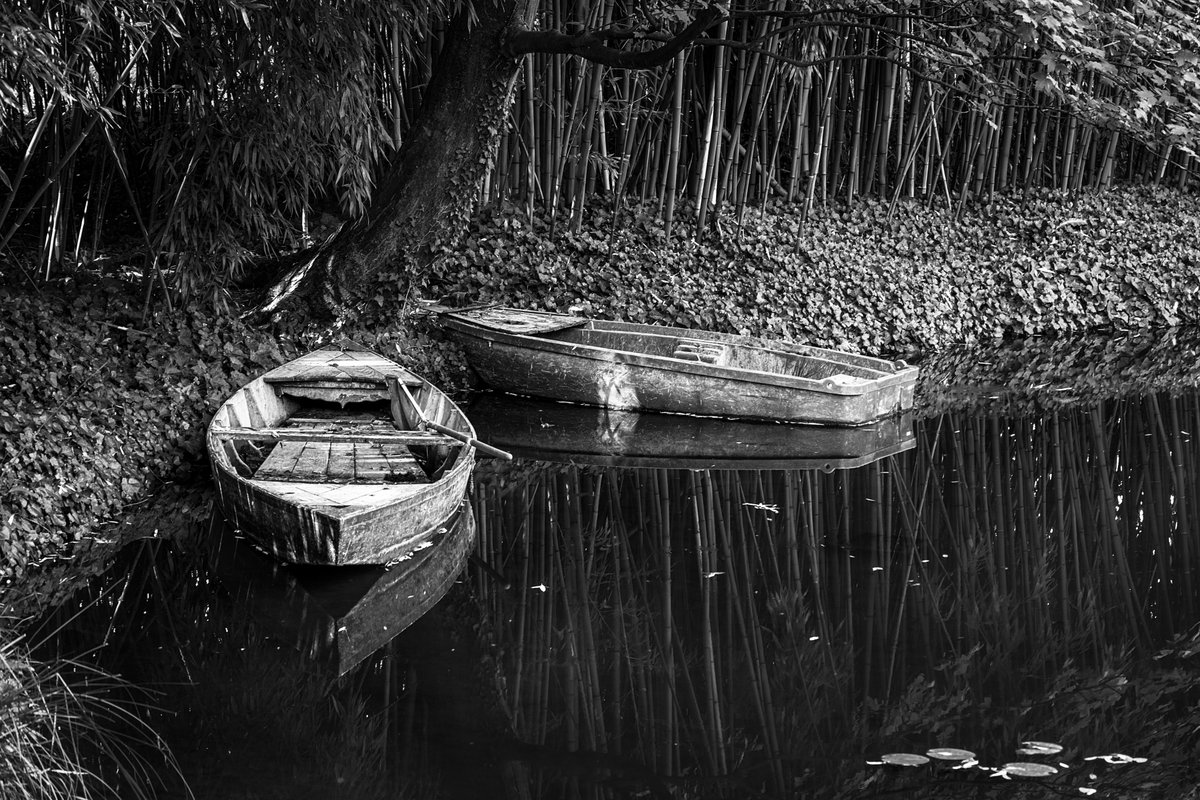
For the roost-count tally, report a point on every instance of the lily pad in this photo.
(1027, 769)
(1117, 758)
(904, 759)
(1039, 749)
(950, 754)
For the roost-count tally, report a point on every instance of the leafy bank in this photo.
(101, 409)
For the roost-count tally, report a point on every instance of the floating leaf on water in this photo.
(1039, 749)
(950, 754)
(1027, 769)
(1117, 758)
(904, 759)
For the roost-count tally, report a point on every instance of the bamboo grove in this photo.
(834, 103)
(206, 133)
(755, 631)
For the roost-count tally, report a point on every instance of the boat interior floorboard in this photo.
(340, 462)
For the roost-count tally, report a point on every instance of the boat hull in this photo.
(332, 522)
(299, 528)
(627, 366)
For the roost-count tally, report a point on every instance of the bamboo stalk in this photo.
(1033, 163)
(710, 159)
(884, 118)
(800, 135)
(581, 165)
(820, 157)
(856, 131)
(533, 150)
(1008, 131)
(676, 136)
(747, 88)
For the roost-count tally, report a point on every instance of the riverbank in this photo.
(870, 277)
(105, 410)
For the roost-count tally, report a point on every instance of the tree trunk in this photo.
(427, 196)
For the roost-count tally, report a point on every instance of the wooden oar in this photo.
(396, 389)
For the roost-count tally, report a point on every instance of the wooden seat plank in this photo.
(309, 435)
(312, 420)
(340, 500)
(291, 371)
(379, 494)
(357, 372)
(344, 494)
(520, 321)
(307, 495)
(701, 350)
(376, 361)
(342, 366)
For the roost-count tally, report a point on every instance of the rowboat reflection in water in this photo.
(545, 430)
(340, 616)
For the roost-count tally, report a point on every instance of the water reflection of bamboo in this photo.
(734, 623)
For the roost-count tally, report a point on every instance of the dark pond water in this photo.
(730, 629)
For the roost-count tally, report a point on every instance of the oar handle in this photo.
(397, 389)
(482, 447)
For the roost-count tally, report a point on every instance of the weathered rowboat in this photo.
(658, 368)
(546, 430)
(329, 459)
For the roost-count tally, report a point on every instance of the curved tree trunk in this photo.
(427, 197)
(428, 194)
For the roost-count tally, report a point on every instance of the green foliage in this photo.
(1136, 69)
(55, 49)
(99, 411)
(279, 105)
(862, 277)
(209, 130)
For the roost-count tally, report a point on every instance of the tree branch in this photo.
(591, 46)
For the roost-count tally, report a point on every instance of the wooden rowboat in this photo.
(546, 430)
(329, 459)
(627, 365)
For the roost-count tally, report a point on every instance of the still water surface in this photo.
(621, 630)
